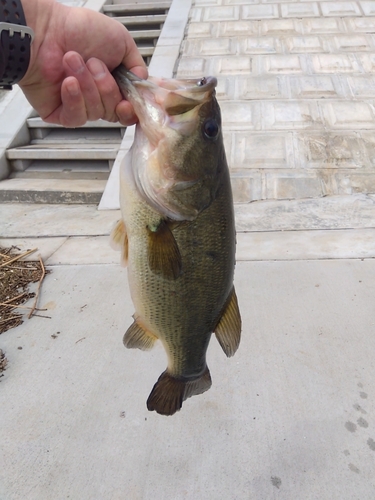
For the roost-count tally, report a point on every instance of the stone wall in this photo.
(296, 89)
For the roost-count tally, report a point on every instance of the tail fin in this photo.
(169, 393)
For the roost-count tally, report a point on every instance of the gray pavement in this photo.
(290, 416)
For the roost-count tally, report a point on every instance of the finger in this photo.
(125, 113)
(75, 66)
(107, 87)
(132, 59)
(72, 111)
(140, 71)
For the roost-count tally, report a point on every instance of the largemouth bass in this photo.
(177, 232)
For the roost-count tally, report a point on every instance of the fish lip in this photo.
(125, 79)
(128, 81)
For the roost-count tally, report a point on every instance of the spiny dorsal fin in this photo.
(228, 330)
(119, 241)
(136, 337)
(169, 392)
(163, 253)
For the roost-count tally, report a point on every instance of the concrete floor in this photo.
(290, 416)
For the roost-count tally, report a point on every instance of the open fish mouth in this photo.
(168, 97)
(179, 124)
(194, 88)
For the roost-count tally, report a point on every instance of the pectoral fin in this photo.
(163, 253)
(228, 329)
(119, 241)
(137, 337)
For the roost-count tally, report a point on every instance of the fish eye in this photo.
(202, 81)
(211, 128)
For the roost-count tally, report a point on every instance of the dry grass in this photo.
(15, 277)
(3, 363)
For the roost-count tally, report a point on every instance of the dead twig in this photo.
(3, 363)
(38, 289)
(21, 307)
(17, 257)
(14, 298)
(21, 268)
(8, 319)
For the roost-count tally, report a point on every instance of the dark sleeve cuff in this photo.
(15, 43)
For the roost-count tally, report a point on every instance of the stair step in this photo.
(146, 51)
(37, 122)
(110, 137)
(64, 152)
(67, 166)
(136, 7)
(57, 174)
(52, 191)
(145, 34)
(62, 165)
(75, 142)
(128, 21)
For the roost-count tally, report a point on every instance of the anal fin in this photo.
(228, 329)
(137, 337)
(163, 253)
(169, 392)
(119, 241)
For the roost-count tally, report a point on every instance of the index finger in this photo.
(132, 60)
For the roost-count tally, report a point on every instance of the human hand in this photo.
(69, 81)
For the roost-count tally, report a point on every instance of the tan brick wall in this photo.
(296, 89)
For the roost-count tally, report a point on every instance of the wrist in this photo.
(15, 43)
(40, 17)
(37, 14)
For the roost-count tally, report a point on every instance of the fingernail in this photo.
(96, 68)
(75, 63)
(73, 87)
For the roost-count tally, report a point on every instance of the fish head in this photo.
(178, 154)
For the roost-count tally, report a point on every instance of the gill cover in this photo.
(177, 151)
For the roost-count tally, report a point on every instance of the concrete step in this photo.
(21, 158)
(55, 175)
(67, 166)
(52, 191)
(37, 122)
(130, 21)
(356, 211)
(56, 154)
(146, 51)
(149, 7)
(110, 136)
(145, 34)
(71, 151)
(89, 134)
